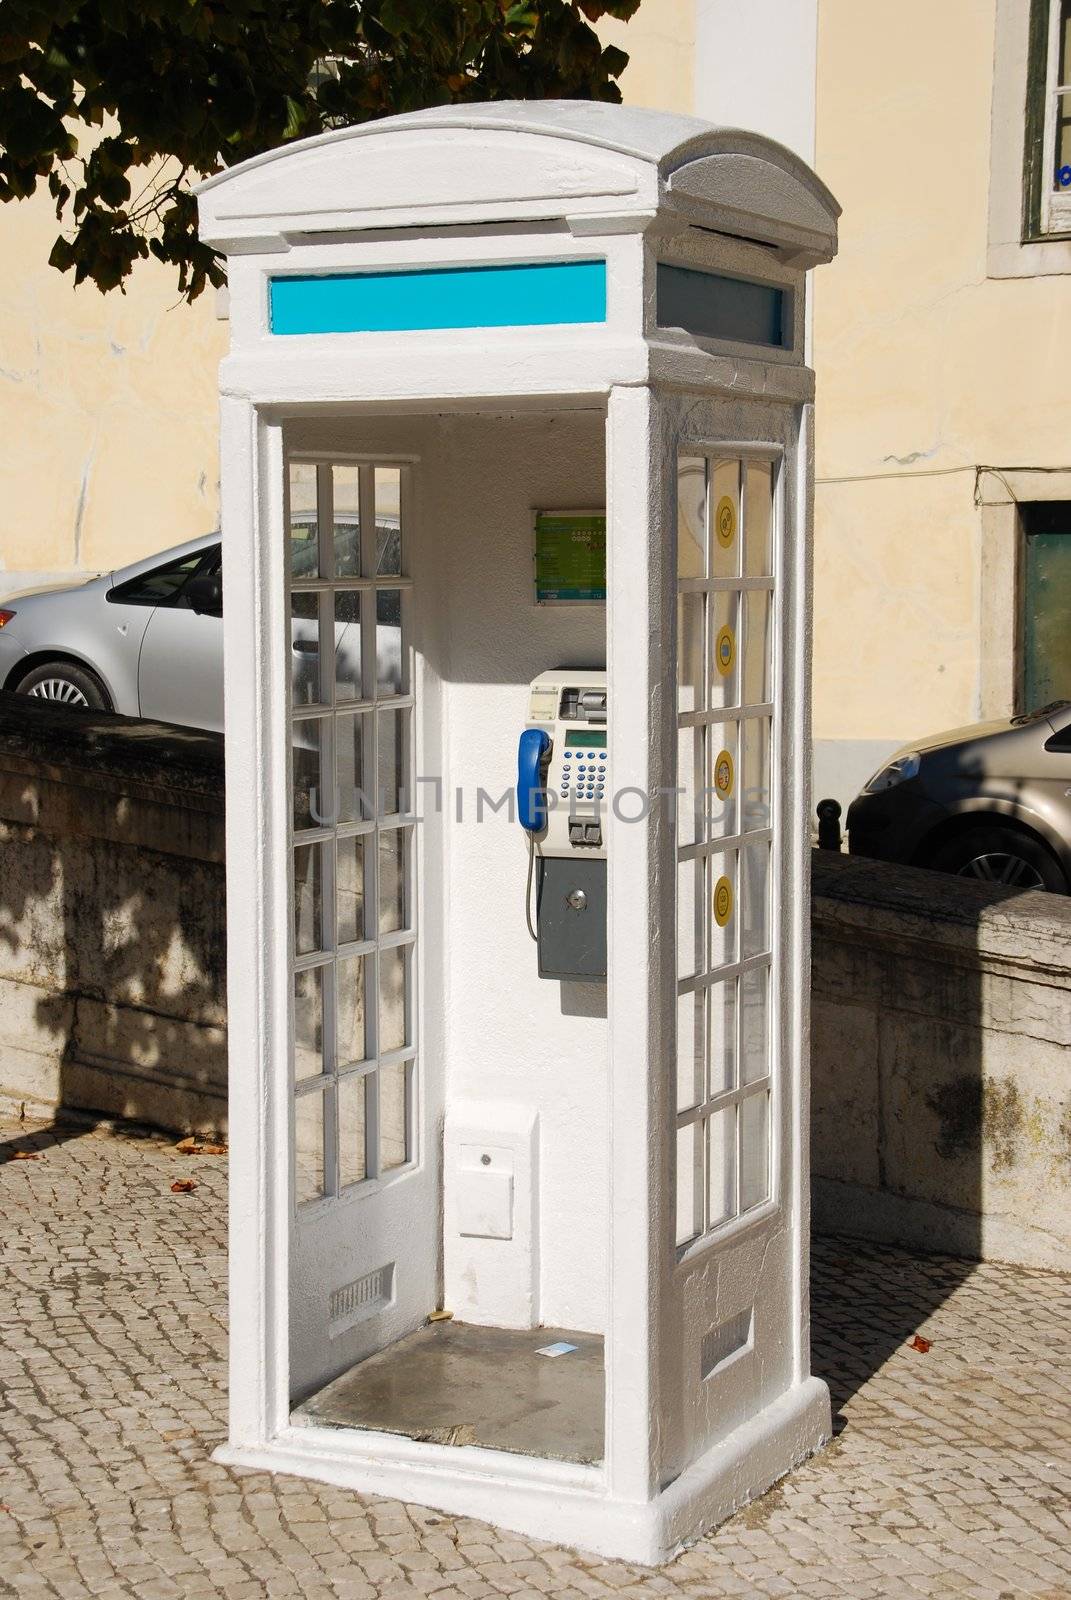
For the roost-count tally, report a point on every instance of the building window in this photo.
(1046, 613)
(1048, 122)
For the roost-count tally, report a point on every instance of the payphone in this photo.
(563, 795)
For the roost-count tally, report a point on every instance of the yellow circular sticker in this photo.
(725, 650)
(723, 773)
(725, 522)
(723, 901)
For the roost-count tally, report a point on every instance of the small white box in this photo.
(491, 1214)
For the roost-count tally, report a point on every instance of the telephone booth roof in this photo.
(601, 168)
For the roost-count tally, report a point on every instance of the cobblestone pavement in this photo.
(949, 1474)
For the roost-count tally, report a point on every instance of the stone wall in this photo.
(941, 1077)
(112, 916)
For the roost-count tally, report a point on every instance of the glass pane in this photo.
(388, 641)
(691, 788)
(725, 519)
(757, 798)
(691, 662)
(351, 734)
(758, 611)
(691, 1048)
(754, 1150)
(691, 914)
(721, 1142)
(352, 1164)
(310, 808)
(689, 1182)
(305, 649)
(304, 549)
(754, 1024)
(755, 899)
(1063, 101)
(308, 1147)
(393, 1120)
(722, 785)
(390, 796)
(1046, 611)
(1063, 144)
(349, 888)
(723, 908)
(722, 1037)
(388, 520)
(350, 1004)
(725, 666)
(758, 517)
(347, 645)
(162, 584)
(392, 1018)
(308, 1023)
(691, 517)
(690, 652)
(393, 845)
(308, 899)
(347, 521)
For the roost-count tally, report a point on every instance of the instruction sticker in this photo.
(725, 521)
(570, 557)
(723, 901)
(725, 650)
(723, 774)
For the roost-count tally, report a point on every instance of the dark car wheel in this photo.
(66, 684)
(1001, 855)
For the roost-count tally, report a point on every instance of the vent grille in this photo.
(361, 1298)
(732, 1338)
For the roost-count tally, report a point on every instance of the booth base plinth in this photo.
(556, 1500)
(453, 1383)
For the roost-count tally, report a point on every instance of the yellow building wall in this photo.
(108, 407)
(660, 41)
(925, 365)
(107, 410)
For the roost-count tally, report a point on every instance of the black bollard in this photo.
(829, 837)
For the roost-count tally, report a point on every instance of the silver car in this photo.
(147, 640)
(992, 801)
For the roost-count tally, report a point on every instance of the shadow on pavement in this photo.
(867, 1301)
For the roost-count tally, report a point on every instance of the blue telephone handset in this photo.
(531, 794)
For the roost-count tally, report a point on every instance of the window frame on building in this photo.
(1046, 208)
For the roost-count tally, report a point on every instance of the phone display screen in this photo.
(593, 739)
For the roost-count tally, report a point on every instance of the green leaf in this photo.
(207, 83)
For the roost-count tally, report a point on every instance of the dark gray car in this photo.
(992, 801)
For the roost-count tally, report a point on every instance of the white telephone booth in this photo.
(516, 445)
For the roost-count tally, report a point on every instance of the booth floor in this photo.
(454, 1383)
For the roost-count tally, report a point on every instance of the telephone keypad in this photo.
(583, 779)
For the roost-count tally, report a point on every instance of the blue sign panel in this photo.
(523, 296)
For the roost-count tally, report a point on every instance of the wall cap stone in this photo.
(155, 761)
(967, 922)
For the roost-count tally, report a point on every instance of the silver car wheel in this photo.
(59, 689)
(999, 867)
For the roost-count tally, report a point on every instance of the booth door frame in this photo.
(266, 1270)
(364, 1261)
(666, 1302)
